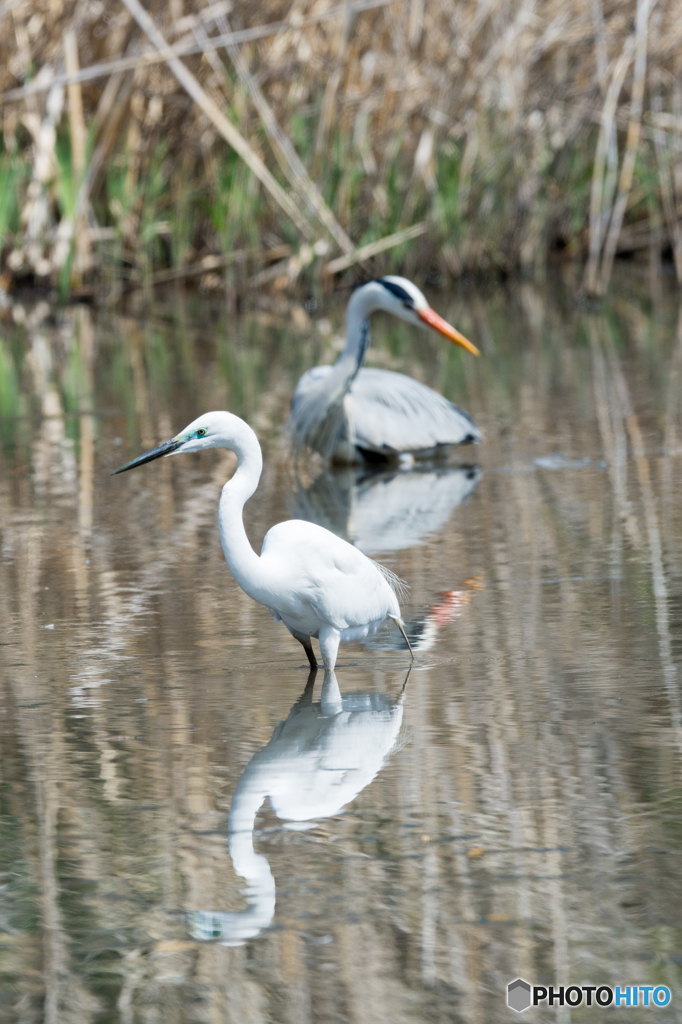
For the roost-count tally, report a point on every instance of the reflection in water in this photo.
(529, 827)
(384, 511)
(316, 763)
(429, 626)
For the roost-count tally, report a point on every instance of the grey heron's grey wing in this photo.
(317, 416)
(393, 412)
(308, 382)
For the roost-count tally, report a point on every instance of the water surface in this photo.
(402, 847)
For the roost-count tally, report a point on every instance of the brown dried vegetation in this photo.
(497, 133)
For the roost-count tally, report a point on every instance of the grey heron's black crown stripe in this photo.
(396, 290)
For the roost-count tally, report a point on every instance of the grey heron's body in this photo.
(349, 413)
(383, 415)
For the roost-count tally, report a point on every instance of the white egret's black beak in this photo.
(167, 448)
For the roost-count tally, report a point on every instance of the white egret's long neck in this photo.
(244, 563)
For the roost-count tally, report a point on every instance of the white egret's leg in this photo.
(307, 647)
(329, 646)
(330, 698)
(401, 626)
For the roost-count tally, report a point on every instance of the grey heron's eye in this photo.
(201, 431)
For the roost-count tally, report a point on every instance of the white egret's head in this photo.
(204, 432)
(403, 299)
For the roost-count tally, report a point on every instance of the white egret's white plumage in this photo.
(317, 584)
(350, 414)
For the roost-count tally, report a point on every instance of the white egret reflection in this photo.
(316, 763)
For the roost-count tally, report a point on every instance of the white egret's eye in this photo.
(201, 431)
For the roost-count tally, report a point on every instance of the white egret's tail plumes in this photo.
(399, 587)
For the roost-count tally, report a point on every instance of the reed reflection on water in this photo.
(527, 820)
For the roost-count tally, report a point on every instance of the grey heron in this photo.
(350, 414)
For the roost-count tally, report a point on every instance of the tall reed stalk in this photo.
(497, 138)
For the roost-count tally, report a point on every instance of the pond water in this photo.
(509, 808)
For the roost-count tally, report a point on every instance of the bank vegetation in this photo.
(245, 145)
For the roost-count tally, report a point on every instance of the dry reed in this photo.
(497, 136)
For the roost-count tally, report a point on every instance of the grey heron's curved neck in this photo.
(244, 563)
(363, 303)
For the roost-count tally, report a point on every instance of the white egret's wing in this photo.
(390, 412)
(341, 584)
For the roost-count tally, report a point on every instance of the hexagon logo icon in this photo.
(518, 995)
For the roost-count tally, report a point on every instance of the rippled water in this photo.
(510, 808)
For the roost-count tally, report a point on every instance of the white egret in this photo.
(350, 414)
(317, 584)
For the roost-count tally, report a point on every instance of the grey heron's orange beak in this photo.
(431, 318)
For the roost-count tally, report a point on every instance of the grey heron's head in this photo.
(403, 299)
(208, 431)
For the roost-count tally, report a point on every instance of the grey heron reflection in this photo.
(390, 510)
(317, 761)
